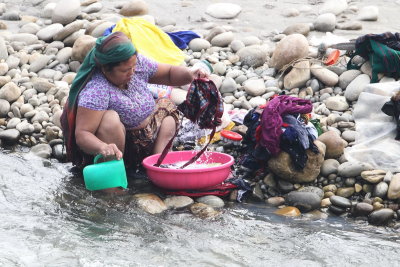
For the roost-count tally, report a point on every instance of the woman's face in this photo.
(121, 74)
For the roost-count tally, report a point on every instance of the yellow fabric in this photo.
(150, 41)
(217, 135)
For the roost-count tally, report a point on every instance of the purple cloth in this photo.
(133, 105)
(271, 119)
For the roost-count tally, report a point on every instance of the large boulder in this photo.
(290, 48)
(82, 46)
(282, 166)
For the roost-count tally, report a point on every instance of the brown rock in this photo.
(134, 8)
(275, 201)
(334, 144)
(150, 203)
(374, 176)
(394, 187)
(203, 211)
(345, 192)
(82, 46)
(288, 212)
(282, 166)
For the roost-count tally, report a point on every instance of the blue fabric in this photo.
(181, 39)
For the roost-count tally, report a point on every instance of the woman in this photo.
(111, 112)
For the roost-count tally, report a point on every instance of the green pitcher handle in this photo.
(99, 156)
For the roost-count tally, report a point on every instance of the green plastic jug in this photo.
(105, 175)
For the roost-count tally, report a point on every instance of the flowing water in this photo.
(49, 219)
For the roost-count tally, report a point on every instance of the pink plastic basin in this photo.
(178, 179)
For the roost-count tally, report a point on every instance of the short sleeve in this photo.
(94, 96)
(146, 66)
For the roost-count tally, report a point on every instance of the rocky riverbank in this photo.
(41, 54)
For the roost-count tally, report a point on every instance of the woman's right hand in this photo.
(110, 150)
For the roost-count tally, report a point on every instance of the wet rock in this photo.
(282, 166)
(212, 201)
(285, 186)
(316, 190)
(336, 210)
(42, 150)
(178, 202)
(65, 12)
(381, 217)
(345, 192)
(149, 203)
(203, 211)
(10, 135)
(223, 10)
(304, 201)
(374, 176)
(362, 209)
(59, 152)
(352, 169)
(381, 189)
(290, 48)
(275, 201)
(288, 212)
(394, 187)
(341, 202)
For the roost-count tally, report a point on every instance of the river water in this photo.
(49, 219)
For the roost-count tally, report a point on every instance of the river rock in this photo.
(68, 30)
(228, 86)
(304, 201)
(334, 6)
(150, 203)
(10, 135)
(334, 144)
(3, 49)
(64, 55)
(282, 166)
(4, 108)
(288, 212)
(46, 34)
(4, 68)
(313, 189)
(253, 56)
(223, 10)
(178, 95)
(82, 46)
(254, 87)
(48, 10)
(327, 77)
(276, 201)
(31, 28)
(325, 22)
(25, 127)
(178, 202)
(26, 38)
(236, 45)
(300, 28)
(257, 101)
(212, 201)
(381, 217)
(298, 76)
(350, 26)
(352, 169)
(349, 136)
(93, 8)
(13, 123)
(381, 190)
(330, 166)
(39, 63)
(345, 192)
(203, 211)
(362, 209)
(355, 88)
(341, 202)
(374, 176)
(290, 48)
(10, 92)
(369, 13)
(42, 150)
(223, 39)
(198, 44)
(394, 187)
(13, 62)
(337, 103)
(65, 12)
(134, 8)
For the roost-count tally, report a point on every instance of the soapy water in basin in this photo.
(179, 164)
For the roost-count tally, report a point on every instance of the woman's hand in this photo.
(199, 73)
(110, 150)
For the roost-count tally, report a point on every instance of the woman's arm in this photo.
(87, 124)
(175, 75)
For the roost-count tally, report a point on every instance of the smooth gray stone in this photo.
(304, 201)
(381, 217)
(362, 209)
(341, 202)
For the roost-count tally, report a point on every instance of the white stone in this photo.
(325, 22)
(290, 48)
(198, 44)
(66, 11)
(223, 39)
(46, 34)
(355, 88)
(337, 103)
(223, 10)
(254, 87)
(369, 13)
(327, 77)
(298, 76)
(334, 6)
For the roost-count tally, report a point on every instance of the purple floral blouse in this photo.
(133, 105)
